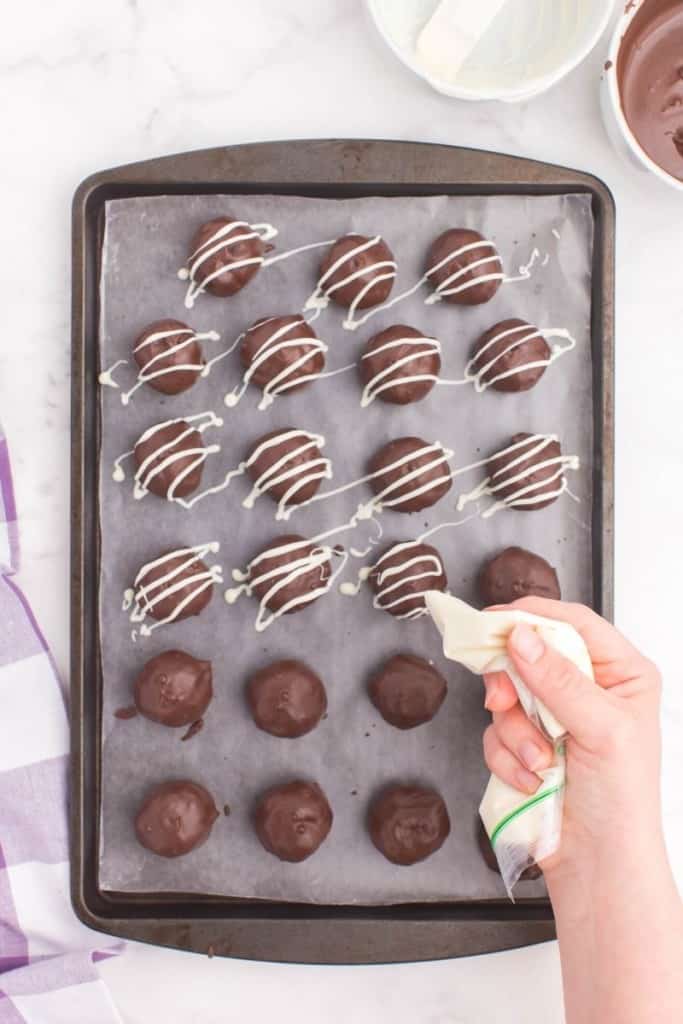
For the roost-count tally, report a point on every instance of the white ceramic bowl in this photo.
(531, 46)
(622, 137)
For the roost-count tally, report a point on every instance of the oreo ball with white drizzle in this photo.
(357, 272)
(225, 254)
(286, 576)
(174, 586)
(399, 365)
(169, 356)
(279, 354)
(170, 460)
(511, 356)
(402, 575)
(288, 466)
(464, 268)
(529, 473)
(409, 474)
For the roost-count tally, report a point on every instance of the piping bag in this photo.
(522, 829)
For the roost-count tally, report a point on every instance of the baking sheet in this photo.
(353, 752)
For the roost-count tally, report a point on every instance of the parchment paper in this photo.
(354, 751)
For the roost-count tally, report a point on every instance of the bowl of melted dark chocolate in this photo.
(642, 88)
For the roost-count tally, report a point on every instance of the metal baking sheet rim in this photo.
(255, 929)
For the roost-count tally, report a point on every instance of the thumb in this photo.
(583, 708)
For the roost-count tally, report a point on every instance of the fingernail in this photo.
(527, 781)
(526, 643)
(531, 754)
(492, 688)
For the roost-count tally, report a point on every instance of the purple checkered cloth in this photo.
(48, 959)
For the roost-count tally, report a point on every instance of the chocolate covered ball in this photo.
(464, 267)
(288, 466)
(357, 271)
(516, 573)
(286, 698)
(529, 874)
(174, 586)
(511, 356)
(528, 473)
(289, 571)
(170, 460)
(407, 691)
(224, 255)
(174, 688)
(403, 574)
(410, 474)
(282, 354)
(169, 356)
(408, 823)
(175, 818)
(292, 820)
(399, 365)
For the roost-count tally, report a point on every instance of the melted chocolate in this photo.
(293, 820)
(286, 698)
(175, 818)
(650, 75)
(408, 823)
(174, 688)
(407, 691)
(516, 573)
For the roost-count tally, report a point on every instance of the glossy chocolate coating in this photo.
(292, 820)
(230, 280)
(449, 242)
(159, 483)
(173, 688)
(533, 350)
(407, 691)
(258, 335)
(175, 818)
(423, 361)
(188, 354)
(304, 583)
(399, 449)
(497, 464)
(344, 296)
(286, 698)
(289, 456)
(165, 608)
(530, 874)
(407, 593)
(516, 573)
(650, 76)
(408, 823)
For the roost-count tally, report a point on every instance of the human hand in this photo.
(613, 744)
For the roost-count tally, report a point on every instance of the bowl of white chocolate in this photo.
(506, 50)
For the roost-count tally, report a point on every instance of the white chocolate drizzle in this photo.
(288, 377)
(280, 577)
(527, 494)
(298, 476)
(438, 456)
(383, 270)
(142, 598)
(384, 379)
(453, 284)
(148, 470)
(222, 238)
(392, 578)
(518, 336)
(151, 371)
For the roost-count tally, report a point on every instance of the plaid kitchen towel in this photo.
(48, 959)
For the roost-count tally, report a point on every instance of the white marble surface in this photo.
(85, 86)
